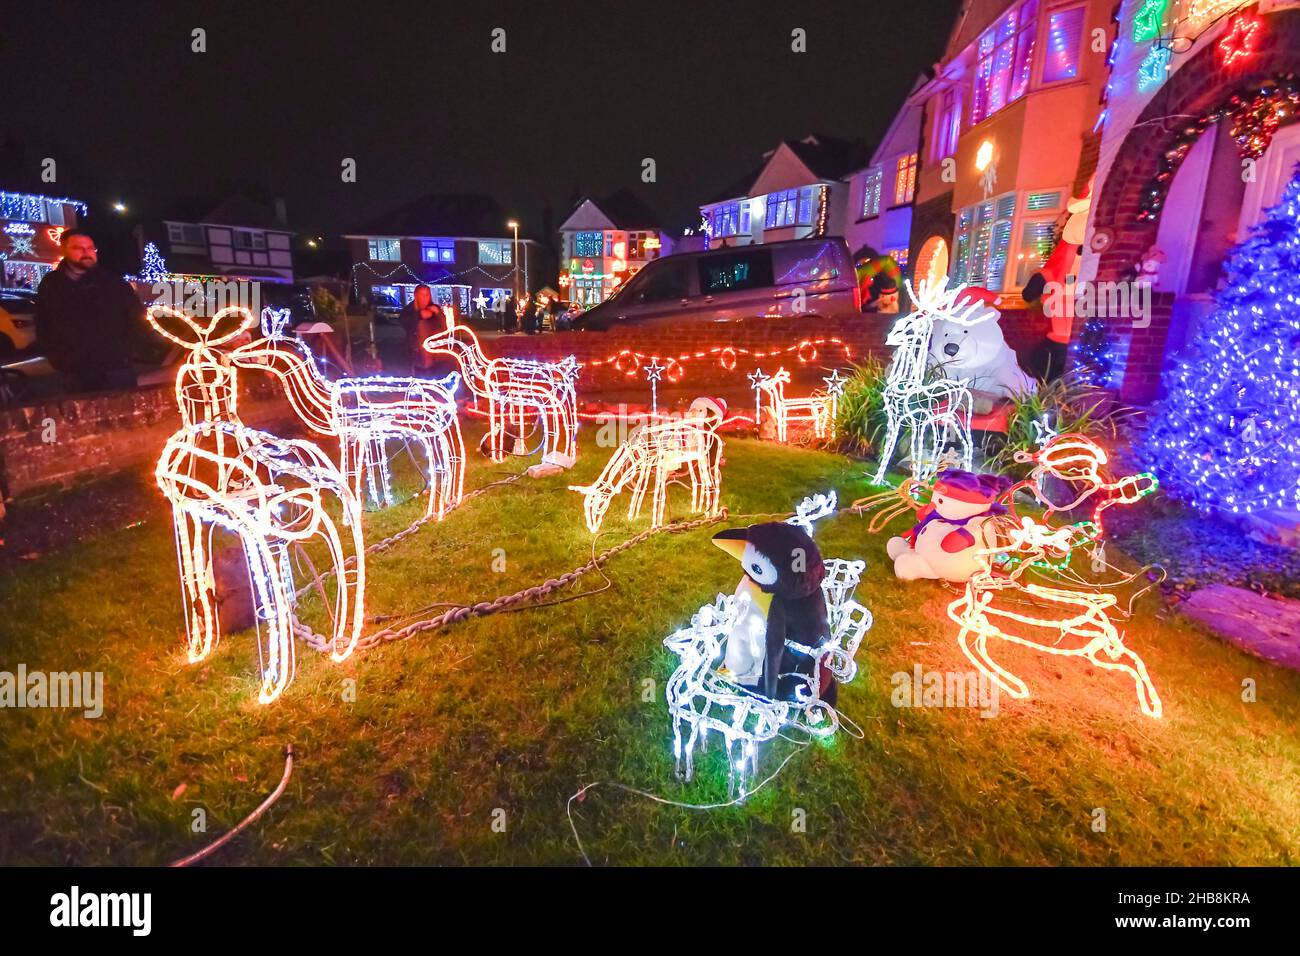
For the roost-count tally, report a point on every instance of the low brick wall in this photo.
(72, 439)
(705, 353)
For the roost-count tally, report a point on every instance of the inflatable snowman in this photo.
(950, 529)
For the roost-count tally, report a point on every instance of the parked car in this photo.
(17, 321)
(387, 307)
(781, 279)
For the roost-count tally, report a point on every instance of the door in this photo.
(1272, 173)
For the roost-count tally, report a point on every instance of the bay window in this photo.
(1004, 57)
(1064, 33)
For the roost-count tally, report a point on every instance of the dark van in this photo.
(812, 277)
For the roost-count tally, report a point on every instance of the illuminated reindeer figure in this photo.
(520, 393)
(366, 413)
(1069, 623)
(270, 492)
(1081, 626)
(935, 412)
(656, 452)
(817, 409)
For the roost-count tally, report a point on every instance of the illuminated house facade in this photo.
(798, 191)
(880, 195)
(1008, 137)
(30, 227)
(460, 246)
(604, 242)
(1199, 137)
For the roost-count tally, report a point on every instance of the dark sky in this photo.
(413, 92)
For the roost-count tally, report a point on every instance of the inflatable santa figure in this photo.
(1050, 290)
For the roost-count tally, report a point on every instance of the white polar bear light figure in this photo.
(974, 349)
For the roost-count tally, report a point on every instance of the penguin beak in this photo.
(732, 541)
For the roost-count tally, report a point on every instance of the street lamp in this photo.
(515, 254)
(119, 207)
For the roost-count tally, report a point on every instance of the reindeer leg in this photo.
(642, 481)
(202, 628)
(887, 450)
(979, 656)
(273, 606)
(1131, 664)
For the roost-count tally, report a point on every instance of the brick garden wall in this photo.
(74, 439)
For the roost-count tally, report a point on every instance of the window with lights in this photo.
(1004, 56)
(905, 180)
(385, 250)
(871, 186)
(438, 250)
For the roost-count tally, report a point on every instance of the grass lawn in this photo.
(501, 719)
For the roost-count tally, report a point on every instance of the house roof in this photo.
(235, 210)
(626, 211)
(827, 157)
(441, 215)
(975, 17)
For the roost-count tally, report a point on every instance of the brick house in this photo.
(239, 238)
(30, 227)
(1006, 136)
(606, 241)
(459, 245)
(1188, 188)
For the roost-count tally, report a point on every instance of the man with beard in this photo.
(86, 319)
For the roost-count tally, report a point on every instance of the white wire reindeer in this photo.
(365, 414)
(936, 412)
(522, 395)
(654, 453)
(272, 493)
(818, 410)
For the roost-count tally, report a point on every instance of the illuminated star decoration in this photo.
(756, 380)
(653, 371)
(1154, 68)
(481, 302)
(1148, 19)
(1043, 430)
(1242, 39)
(22, 245)
(834, 388)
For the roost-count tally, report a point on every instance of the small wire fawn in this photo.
(520, 393)
(935, 413)
(365, 414)
(272, 493)
(817, 409)
(653, 454)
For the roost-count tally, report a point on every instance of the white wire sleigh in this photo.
(702, 700)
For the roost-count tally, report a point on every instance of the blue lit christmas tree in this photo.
(1093, 358)
(1227, 437)
(154, 267)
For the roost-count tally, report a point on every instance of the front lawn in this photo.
(464, 744)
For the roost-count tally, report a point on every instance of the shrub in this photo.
(860, 420)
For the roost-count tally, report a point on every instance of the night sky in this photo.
(414, 94)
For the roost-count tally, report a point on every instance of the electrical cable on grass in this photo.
(262, 808)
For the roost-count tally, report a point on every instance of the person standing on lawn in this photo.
(421, 318)
(87, 319)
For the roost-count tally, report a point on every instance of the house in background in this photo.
(1008, 137)
(238, 239)
(1176, 196)
(604, 242)
(30, 229)
(880, 195)
(798, 191)
(458, 245)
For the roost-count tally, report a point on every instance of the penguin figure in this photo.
(783, 577)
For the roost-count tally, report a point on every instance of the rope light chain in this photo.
(629, 362)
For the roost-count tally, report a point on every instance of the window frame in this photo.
(373, 246)
(1040, 68)
(873, 186)
(441, 245)
(906, 164)
(504, 249)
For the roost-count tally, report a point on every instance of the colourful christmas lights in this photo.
(1227, 436)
